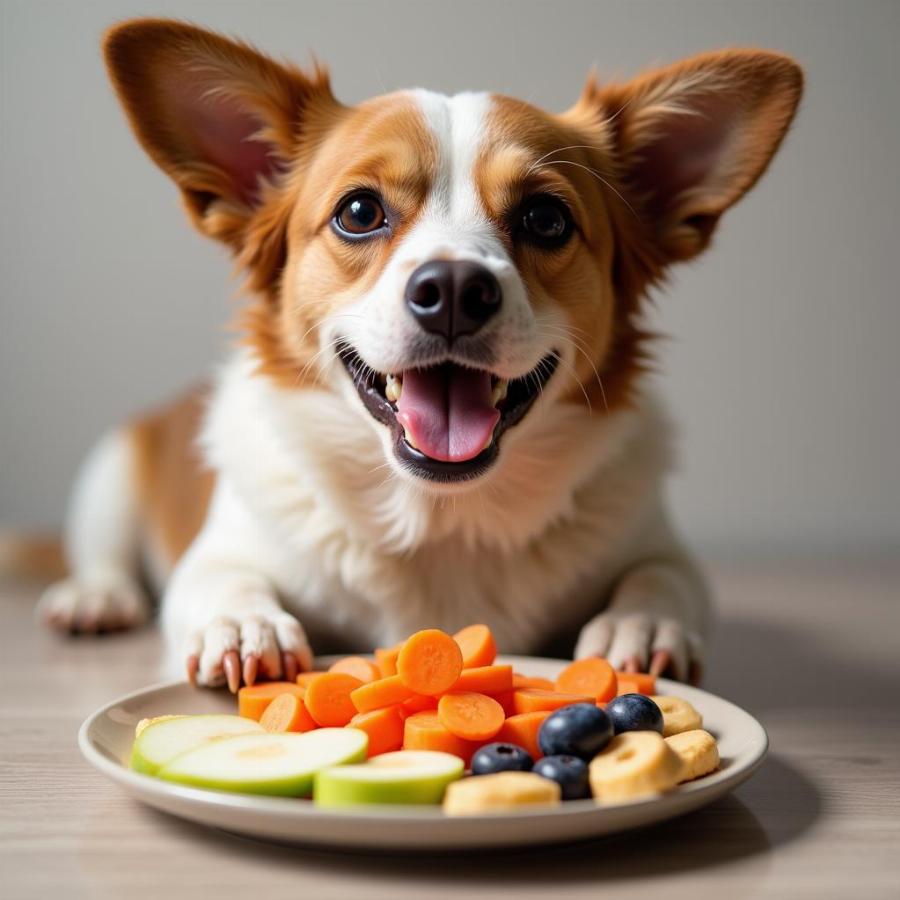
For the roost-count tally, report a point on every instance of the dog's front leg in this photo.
(221, 614)
(656, 621)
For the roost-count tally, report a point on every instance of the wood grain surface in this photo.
(811, 650)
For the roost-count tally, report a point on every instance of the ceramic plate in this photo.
(105, 739)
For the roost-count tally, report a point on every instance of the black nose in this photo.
(452, 297)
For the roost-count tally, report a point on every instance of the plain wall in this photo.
(782, 366)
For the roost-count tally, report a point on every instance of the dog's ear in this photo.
(690, 139)
(219, 118)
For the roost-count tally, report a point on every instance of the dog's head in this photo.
(449, 263)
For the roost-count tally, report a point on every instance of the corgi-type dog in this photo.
(437, 412)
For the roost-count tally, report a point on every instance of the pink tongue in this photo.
(447, 411)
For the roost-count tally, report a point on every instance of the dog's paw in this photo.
(233, 649)
(641, 642)
(91, 606)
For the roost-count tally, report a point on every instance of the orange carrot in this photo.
(304, 678)
(507, 699)
(363, 669)
(592, 676)
(477, 644)
(470, 716)
(417, 703)
(424, 731)
(253, 700)
(529, 681)
(287, 712)
(534, 700)
(523, 730)
(636, 683)
(384, 728)
(378, 694)
(328, 698)
(387, 660)
(429, 662)
(485, 680)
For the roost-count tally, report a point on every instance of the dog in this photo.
(438, 411)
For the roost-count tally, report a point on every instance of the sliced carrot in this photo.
(253, 700)
(287, 712)
(592, 676)
(304, 678)
(523, 730)
(636, 683)
(417, 703)
(470, 716)
(507, 699)
(357, 666)
(328, 698)
(477, 644)
(429, 662)
(534, 700)
(485, 680)
(378, 694)
(424, 731)
(529, 681)
(387, 660)
(384, 728)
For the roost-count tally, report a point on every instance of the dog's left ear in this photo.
(691, 139)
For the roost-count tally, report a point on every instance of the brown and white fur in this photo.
(273, 508)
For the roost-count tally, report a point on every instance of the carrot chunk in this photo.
(378, 694)
(529, 681)
(417, 703)
(470, 716)
(507, 699)
(328, 698)
(485, 680)
(523, 730)
(534, 700)
(592, 676)
(429, 662)
(424, 731)
(287, 712)
(477, 644)
(636, 683)
(253, 700)
(387, 660)
(357, 666)
(384, 728)
(304, 678)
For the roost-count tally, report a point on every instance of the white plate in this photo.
(105, 739)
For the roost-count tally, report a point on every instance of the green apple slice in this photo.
(281, 764)
(164, 738)
(405, 776)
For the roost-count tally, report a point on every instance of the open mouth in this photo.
(446, 419)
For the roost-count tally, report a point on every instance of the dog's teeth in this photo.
(409, 439)
(499, 393)
(393, 388)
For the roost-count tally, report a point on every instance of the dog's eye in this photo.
(545, 221)
(359, 215)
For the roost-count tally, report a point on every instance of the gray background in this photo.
(782, 365)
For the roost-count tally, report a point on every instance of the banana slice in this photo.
(634, 764)
(698, 751)
(504, 791)
(144, 723)
(678, 715)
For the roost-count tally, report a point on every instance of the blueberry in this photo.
(569, 772)
(634, 712)
(581, 730)
(501, 758)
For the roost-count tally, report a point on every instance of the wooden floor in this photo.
(811, 650)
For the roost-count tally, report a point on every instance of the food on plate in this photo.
(386, 659)
(636, 683)
(522, 729)
(144, 723)
(477, 645)
(404, 776)
(569, 772)
(429, 662)
(253, 700)
(328, 698)
(287, 712)
(634, 764)
(532, 681)
(678, 715)
(485, 679)
(384, 728)
(425, 731)
(592, 677)
(537, 700)
(582, 730)
(357, 666)
(498, 757)
(471, 716)
(264, 763)
(698, 751)
(634, 712)
(378, 694)
(501, 792)
(169, 736)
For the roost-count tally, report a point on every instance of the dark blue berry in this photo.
(581, 730)
(634, 712)
(501, 758)
(569, 772)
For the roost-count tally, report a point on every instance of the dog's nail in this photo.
(251, 666)
(193, 664)
(289, 666)
(632, 664)
(660, 662)
(695, 673)
(231, 663)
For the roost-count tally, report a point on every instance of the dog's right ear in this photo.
(219, 118)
